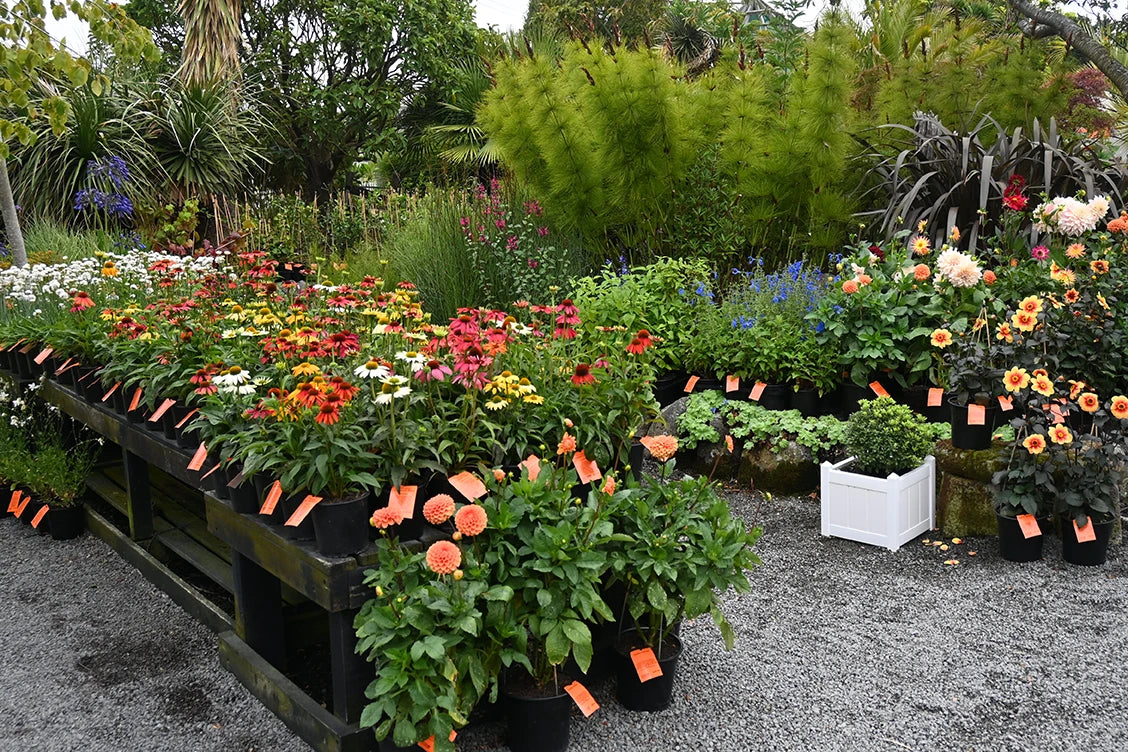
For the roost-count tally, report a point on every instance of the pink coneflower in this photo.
(433, 370)
(569, 314)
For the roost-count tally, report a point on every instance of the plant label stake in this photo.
(584, 701)
(402, 501)
(209, 472)
(43, 356)
(186, 417)
(136, 401)
(588, 469)
(14, 502)
(935, 397)
(110, 393)
(532, 464)
(976, 415)
(199, 457)
(307, 505)
(878, 389)
(64, 366)
(1085, 534)
(689, 385)
(646, 664)
(1029, 526)
(39, 516)
(468, 485)
(757, 391)
(1006, 404)
(161, 410)
(732, 383)
(23, 505)
(272, 498)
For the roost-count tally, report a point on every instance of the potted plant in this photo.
(1025, 490)
(884, 492)
(677, 549)
(59, 481)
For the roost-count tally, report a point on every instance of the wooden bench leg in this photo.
(351, 672)
(140, 502)
(258, 610)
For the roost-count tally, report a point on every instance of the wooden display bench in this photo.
(281, 588)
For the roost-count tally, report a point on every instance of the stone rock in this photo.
(667, 422)
(964, 507)
(972, 464)
(790, 471)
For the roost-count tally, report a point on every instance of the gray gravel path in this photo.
(841, 646)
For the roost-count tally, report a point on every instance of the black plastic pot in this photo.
(538, 724)
(916, 397)
(1088, 554)
(807, 401)
(218, 479)
(303, 531)
(849, 395)
(387, 745)
(656, 693)
(66, 523)
(669, 387)
(965, 436)
(341, 525)
(635, 458)
(1014, 546)
(244, 498)
(410, 529)
(262, 486)
(775, 397)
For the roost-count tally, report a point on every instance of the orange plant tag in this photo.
(689, 385)
(646, 664)
(40, 515)
(199, 457)
(732, 383)
(428, 744)
(64, 366)
(88, 374)
(14, 502)
(758, 391)
(110, 393)
(133, 403)
(976, 415)
(1006, 404)
(303, 510)
(1059, 416)
(532, 464)
(878, 389)
(584, 701)
(468, 485)
(161, 410)
(20, 341)
(209, 472)
(402, 501)
(1029, 526)
(272, 497)
(23, 505)
(43, 356)
(186, 418)
(935, 397)
(588, 470)
(1087, 533)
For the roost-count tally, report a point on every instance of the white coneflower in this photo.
(233, 376)
(393, 387)
(412, 358)
(373, 369)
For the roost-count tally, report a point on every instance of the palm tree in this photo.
(211, 41)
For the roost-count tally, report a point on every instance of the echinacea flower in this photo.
(1042, 386)
(1119, 407)
(661, 447)
(307, 395)
(391, 388)
(328, 414)
(496, 402)
(80, 302)
(305, 369)
(438, 509)
(1034, 444)
(433, 370)
(1089, 402)
(233, 376)
(1016, 379)
(941, 338)
(384, 518)
(470, 520)
(414, 359)
(567, 444)
(583, 375)
(1061, 435)
(443, 557)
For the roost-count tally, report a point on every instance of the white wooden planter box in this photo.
(881, 511)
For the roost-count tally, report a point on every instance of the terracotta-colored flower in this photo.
(1016, 379)
(470, 520)
(1089, 402)
(1119, 407)
(1075, 251)
(609, 485)
(1042, 372)
(1072, 296)
(384, 518)
(1034, 444)
(438, 509)
(1099, 266)
(864, 279)
(583, 375)
(921, 272)
(81, 301)
(1075, 388)
(1024, 321)
(567, 444)
(661, 447)
(328, 414)
(1004, 332)
(920, 245)
(941, 338)
(443, 557)
(1042, 386)
(849, 287)
(643, 336)
(1061, 435)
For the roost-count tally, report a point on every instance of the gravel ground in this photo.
(841, 646)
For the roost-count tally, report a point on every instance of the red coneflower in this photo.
(80, 302)
(346, 390)
(583, 375)
(307, 395)
(328, 414)
(569, 314)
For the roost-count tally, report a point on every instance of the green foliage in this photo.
(45, 236)
(885, 437)
(696, 423)
(61, 471)
(609, 19)
(166, 225)
(824, 436)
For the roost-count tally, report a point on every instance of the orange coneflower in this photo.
(583, 375)
(307, 395)
(328, 414)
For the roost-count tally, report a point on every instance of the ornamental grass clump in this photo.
(885, 438)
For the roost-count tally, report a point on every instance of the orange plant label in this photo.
(110, 393)
(935, 397)
(88, 375)
(758, 391)
(161, 410)
(1085, 534)
(588, 470)
(1006, 404)
(19, 342)
(1059, 416)
(64, 366)
(732, 383)
(428, 744)
(878, 389)
(199, 457)
(1029, 526)
(39, 516)
(646, 664)
(14, 502)
(532, 464)
(43, 356)
(272, 497)
(584, 701)
(26, 348)
(976, 415)
(402, 501)
(23, 505)
(186, 418)
(303, 510)
(234, 482)
(209, 472)
(689, 385)
(133, 403)
(468, 484)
